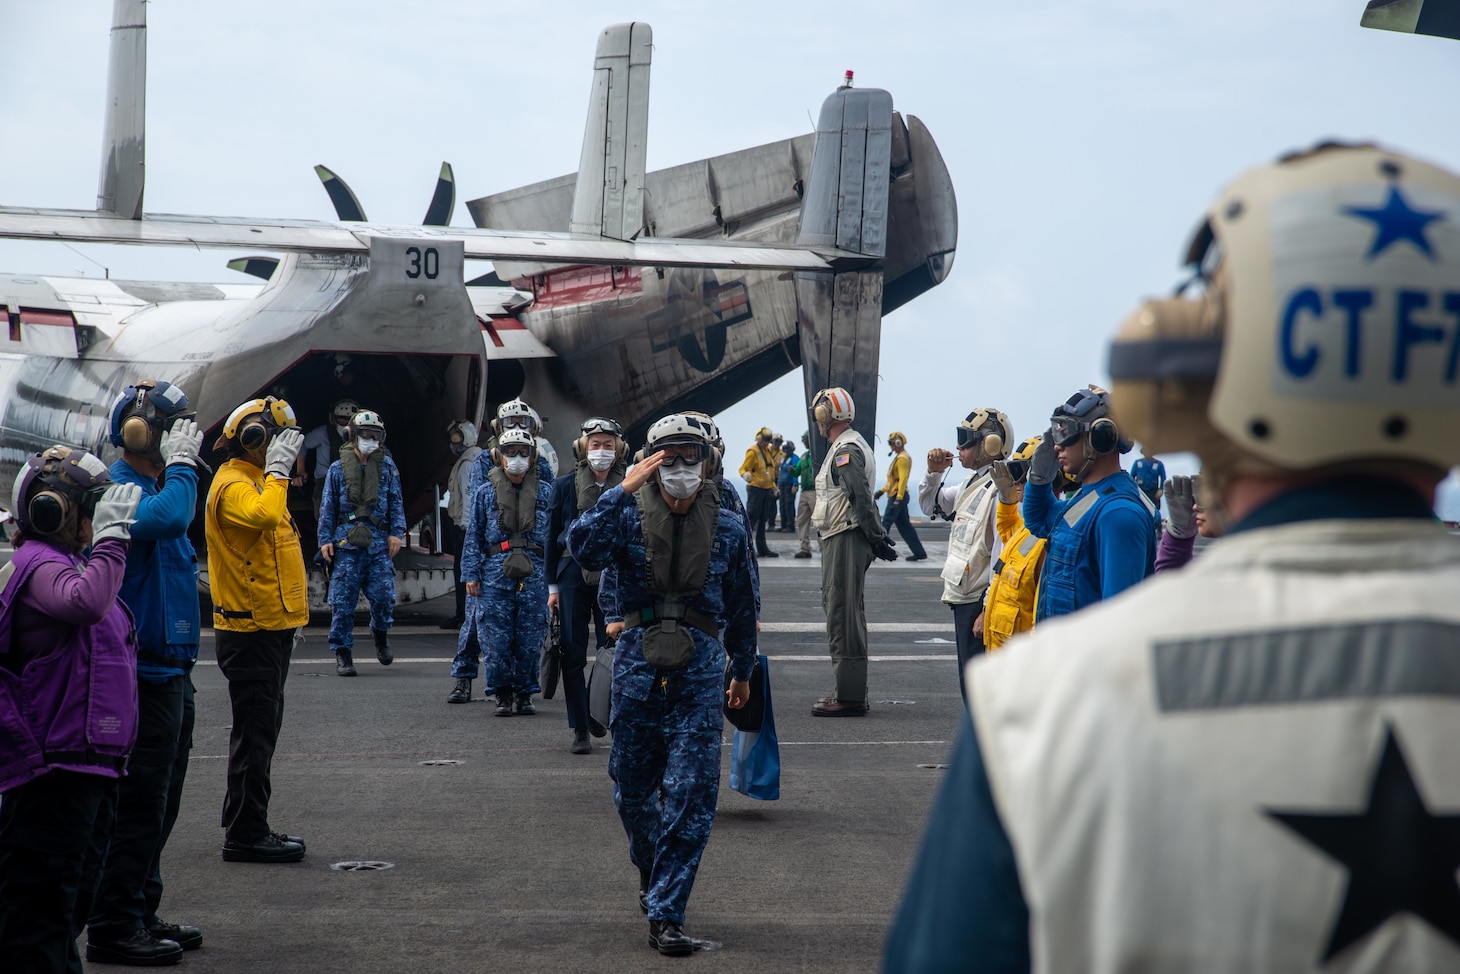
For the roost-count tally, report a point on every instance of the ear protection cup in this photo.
(992, 445)
(136, 434)
(1104, 436)
(48, 511)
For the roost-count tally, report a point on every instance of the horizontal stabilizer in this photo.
(318, 236)
(443, 201)
(347, 206)
(260, 267)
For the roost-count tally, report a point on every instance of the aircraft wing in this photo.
(318, 236)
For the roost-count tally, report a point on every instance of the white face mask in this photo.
(681, 480)
(517, 465)
(367, 447)
(601, 459)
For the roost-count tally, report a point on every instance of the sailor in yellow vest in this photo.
(985, 435)
(758, 470)
(1248, 764)
(851, 536)
(896, 489)
(256, 572)
(1014, 579)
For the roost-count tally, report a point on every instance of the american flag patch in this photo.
(844, 459)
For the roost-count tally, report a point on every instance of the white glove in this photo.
(282, 451)
(1003, 481)
(1044, 466)
(181, 443)
(1180, 508)
(116, 513)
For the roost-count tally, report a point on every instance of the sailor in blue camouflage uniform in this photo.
(681, 575)
(505, 569)
(362, 522)
(515, 414)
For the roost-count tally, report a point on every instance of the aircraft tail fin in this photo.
(609, 197)
(845, 206)
(123, 148)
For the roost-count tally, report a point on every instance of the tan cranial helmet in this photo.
(1328, 332)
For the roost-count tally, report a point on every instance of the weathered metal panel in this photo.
(123, 146)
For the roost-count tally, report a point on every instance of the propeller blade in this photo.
(262, 267)
(347, 207)
(443, 201)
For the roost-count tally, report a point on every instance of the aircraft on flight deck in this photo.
(631, 293)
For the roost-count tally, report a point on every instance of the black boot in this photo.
(382, 647)
(461, 693)
(666, 937)
(524, 705)
(504, 704)
(580, 741)
(140, 949)
(344, 663)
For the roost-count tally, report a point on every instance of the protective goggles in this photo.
(686, 453)
(85, 498)
(517, 450)
(1018, 469)
(602, 426)
(516, 422)
(969, 438)
(1066, 430)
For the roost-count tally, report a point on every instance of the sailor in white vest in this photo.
(1248, 764)
(851, 536)
(984, 436)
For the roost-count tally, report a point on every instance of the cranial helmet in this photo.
(1086, 415)
(367, 421)
(686, 428)
(1021, 458)
(55, 489)
(990, 429)
(516, 414)
(716, 440)
(342, 411)
(899, 437)
(516, 437)
(250, 425)
(462, 432)
(833, 405)
(1327, 326)
(599, 425)
(146, 408)
(764, 433)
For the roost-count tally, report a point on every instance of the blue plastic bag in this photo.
(755, 757)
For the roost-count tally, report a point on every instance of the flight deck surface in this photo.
(513, 858)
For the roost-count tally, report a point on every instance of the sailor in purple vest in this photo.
(68, 700)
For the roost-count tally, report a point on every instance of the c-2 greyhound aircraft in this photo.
(701, 283)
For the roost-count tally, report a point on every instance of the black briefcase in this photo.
(550, 667)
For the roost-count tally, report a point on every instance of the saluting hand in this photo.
(640, 473)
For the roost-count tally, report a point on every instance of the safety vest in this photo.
(833, 512)
(256, 577)
(1013, 581)
(1210, 771)
(1068, 550)
(970, 542)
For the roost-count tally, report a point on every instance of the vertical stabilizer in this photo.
(609, 197)
(845, 206)
(123, 147)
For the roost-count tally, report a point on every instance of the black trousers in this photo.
(788, 508)
(965, 614)
(760, 507)
(256, 665)
(896, 514)
(130, 884)
(580, 613)
(52, 830)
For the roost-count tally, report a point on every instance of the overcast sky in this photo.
(1084, 140)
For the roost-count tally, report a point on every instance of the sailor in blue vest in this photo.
(362, 521)
(1102, 539)
(683, 578)
(153, 425)
(505, 569)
